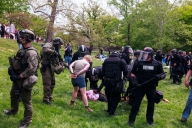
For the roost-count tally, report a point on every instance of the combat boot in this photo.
(8, 112)
(23, 125)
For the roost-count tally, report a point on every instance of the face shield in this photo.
(130, 50)
(144, 56)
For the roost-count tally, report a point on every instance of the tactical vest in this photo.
(146, 71)
(112, 68)
(19, 63)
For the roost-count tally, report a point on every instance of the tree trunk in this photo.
(51, 22)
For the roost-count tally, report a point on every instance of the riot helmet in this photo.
(146, 53)
(82, 48)
(58, 40)
(180, 52)
(174, 51)
(128, 49)
(137, 53)
(116, 53)
(27, 34)
(95, 74)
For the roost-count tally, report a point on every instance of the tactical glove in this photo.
(137, 85)
(15, 77)
(160, 76)
(56, 53)
(10, 71)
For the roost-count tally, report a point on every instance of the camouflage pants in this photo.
(25, 96)
(48, 79)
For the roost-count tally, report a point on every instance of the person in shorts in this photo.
(78, 70)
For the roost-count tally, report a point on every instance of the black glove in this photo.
(137, 85)
(15, 77)
(98, 90)
(160, 76)
(10, 71)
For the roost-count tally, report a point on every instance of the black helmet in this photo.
(137, 53)
(180, 52)
(27, 34)
(94, 71)
(149, 50)
(82, 48)
(59, 40)
(128, 48)
(173, 51)
(116, 53)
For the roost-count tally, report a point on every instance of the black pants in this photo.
(176, 74)
(113, 94)
(150, 93)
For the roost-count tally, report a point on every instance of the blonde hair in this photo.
(88, 58)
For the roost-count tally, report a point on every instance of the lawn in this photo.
(61, 115)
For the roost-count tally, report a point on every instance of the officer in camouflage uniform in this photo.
(24, 65)
(48, 56)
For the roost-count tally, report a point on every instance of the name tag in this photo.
(148, 67)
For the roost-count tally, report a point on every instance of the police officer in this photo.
(57, 42)
(146, 72)
(130, 90)
(112, 71)
(159, 56)
(49, 56)
(175, 66)
(126, 54)
(82, 51)
(96, 74)
(23, 66)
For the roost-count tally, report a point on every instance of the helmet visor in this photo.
(130, 50)
(143, 56)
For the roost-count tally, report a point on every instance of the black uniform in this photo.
(95, 75)
(145, 71)
(112, 71)
(159, 56)
(126, 57)
(176, 67)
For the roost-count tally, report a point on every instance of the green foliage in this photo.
(9, 6)
(61, 115)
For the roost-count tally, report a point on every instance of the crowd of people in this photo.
(143, 71)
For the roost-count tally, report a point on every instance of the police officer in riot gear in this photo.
(24, 65)
(175, 66)
(126, 54)
(159, 56)
(112, 69)
(147, 69)
(96, 74)
(82, 51)
(130, 90)
(49, 57)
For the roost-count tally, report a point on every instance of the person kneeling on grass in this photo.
(78, 69)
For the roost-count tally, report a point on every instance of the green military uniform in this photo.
(48, 76)
(27, 66)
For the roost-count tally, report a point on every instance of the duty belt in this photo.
(110, 79)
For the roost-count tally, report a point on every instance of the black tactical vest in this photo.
(112, 68)
(146, 71)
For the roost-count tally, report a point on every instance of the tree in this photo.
(9, 6)
(49, 9)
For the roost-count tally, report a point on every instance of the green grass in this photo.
(61, 115)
